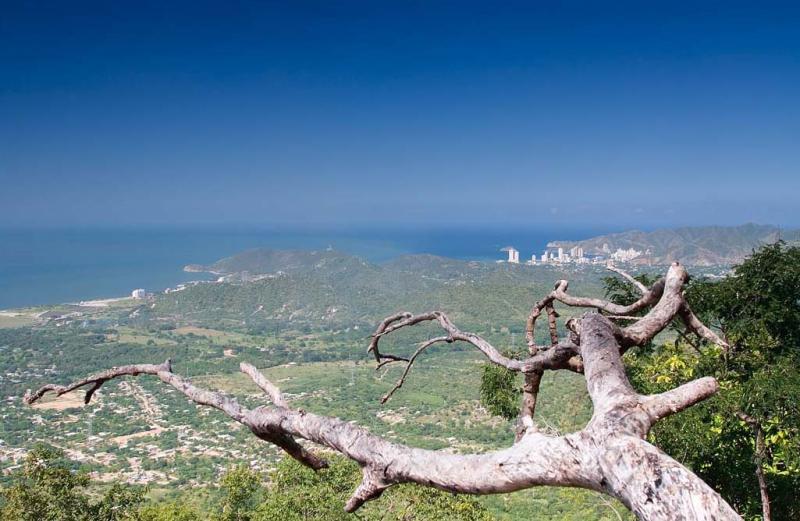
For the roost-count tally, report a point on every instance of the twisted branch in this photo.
(597, 457)
(608, 455)
(560, 356)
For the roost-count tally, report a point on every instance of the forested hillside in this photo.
(333, 289)
(307, 328)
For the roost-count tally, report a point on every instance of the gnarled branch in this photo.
(685, 313)
(608, 455)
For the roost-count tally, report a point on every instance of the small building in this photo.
(513, 254)
(138, 294)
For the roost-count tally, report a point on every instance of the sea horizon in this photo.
(45, 266)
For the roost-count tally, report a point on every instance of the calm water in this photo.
(55, 266)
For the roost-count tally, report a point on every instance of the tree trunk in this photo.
(758, 459)
(762, 482)
(609, 455)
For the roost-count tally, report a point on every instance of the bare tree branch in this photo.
(630, 278)
(608, 455)
(265, 385)
(560, 356)
(422, 347)
(675, 400)
(649, 298)
(530, 398)
(666, 295)
(662, 313)
(689, 319)
(695, 325)
(96, 380)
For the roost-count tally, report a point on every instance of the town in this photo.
(577, 255)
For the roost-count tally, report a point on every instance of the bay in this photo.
(50, 266)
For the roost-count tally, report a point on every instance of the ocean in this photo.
(51, 266)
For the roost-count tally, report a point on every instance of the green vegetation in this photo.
(753, 425)
(501, 391)
(330, 290)
(297, 493)
(308, 328)
(48, 488)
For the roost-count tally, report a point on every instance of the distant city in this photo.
(576, 255)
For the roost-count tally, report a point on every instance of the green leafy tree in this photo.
(49, 488)
(296, 493)
(746, 441)
(242, 491)
(119, 503)
(168, 511)
(500, 391)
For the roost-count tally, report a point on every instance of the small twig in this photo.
(422, 347)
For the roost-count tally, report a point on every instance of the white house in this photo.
(138, 293)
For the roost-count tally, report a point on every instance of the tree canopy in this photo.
(752, 426)
(49, 487)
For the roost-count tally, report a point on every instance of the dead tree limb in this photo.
(630, 278)
(689, 319)
(609, 455)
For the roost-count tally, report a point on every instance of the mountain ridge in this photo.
(691, 245)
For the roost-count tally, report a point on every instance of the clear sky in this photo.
(608, 113)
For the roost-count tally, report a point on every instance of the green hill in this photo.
(333, 288)
(699, 246)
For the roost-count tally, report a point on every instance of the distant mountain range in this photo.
(699, 246)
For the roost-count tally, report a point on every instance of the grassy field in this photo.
(9, 319)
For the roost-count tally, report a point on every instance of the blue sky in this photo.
(497, 113)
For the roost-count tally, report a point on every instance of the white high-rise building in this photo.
(138, 294)
(625, 255)
(513, 254)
